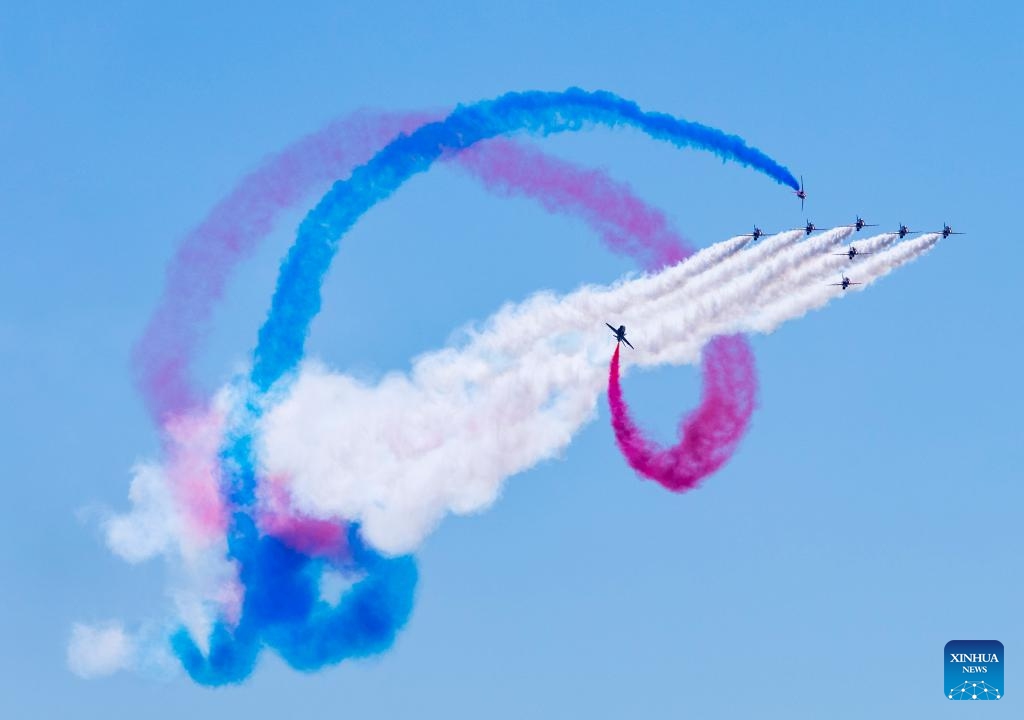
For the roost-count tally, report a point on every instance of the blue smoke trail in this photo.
(297, 297)
(282, 608)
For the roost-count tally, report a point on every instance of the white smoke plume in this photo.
(98, 650)
(398, 454)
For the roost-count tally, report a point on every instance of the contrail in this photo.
(729, 377)
(397, 455)
(196, 280)
(832, 262)
(676, 334)
(813, 296)
(297, 296)
(281, 343)
(626, 224)
(204, 261)
(775, 276)
(707, 437)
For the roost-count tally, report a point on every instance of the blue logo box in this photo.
(973, 670)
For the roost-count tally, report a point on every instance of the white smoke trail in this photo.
(832, 262)
(399, 454)
(815, 295)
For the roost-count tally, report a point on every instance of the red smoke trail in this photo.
(709, 435)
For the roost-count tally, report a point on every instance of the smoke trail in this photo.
(164, 362)
(198, 273)
(708, 436)
(297, 296)
(710, 433)
(201, 267)
(825, 263)
(815, 295)
(396, 455)
(297, 300)
(194, 519)
(625, 223)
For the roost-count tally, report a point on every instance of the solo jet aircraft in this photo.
(801, 193)
(620, 335)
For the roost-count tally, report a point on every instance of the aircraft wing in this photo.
(612, 329)
(628, 343)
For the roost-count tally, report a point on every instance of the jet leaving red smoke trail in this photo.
(629, 226)
(709, 435)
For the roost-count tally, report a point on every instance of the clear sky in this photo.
(871, 514)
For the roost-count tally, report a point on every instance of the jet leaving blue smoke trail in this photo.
(281, 606)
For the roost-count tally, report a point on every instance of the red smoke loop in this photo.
(709, 435)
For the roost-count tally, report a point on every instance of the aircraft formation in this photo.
(852, 253)
(901, 231)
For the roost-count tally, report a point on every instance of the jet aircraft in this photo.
(811, 227)
(620, 335)
(801, 193)
(903, 231)
(846, 283)
(947, 231)
(852, 253)
(860, 224)
(756, 235)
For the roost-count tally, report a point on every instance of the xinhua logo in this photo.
(974, 670)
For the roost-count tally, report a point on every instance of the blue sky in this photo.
(871, 513)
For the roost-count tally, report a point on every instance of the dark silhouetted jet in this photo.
(801, 193)
(947, 231)
(845, 283)
(811, 227)
(756, 235)
(860, 224)
(903, 231)
(620, 335)
(852, 253)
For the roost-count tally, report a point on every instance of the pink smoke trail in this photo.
(199, 271)
(195, 280)
(626, 223)
(709, 435)
(310, 536)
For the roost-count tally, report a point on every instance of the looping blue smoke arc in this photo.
(282, 608)
(297, 297)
